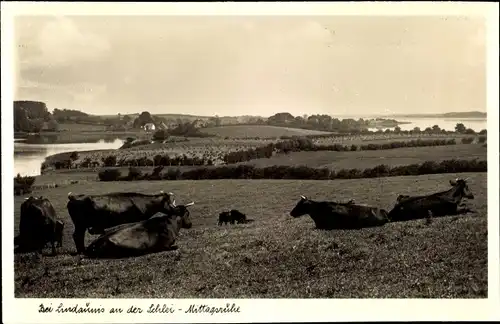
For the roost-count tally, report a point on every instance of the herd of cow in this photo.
(131, 224)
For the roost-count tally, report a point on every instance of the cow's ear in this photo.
(453, 182)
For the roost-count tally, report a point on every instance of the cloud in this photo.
(61, 42)
(327, 64)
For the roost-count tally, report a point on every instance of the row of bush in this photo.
(157, 160)
(266, 151)
(300, 172)
(22, 185)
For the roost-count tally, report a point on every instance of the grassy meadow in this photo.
(263, 131)
(370, 159)
(276, 256)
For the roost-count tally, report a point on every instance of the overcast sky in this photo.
(252, 65)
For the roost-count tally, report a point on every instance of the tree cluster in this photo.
(22, 185)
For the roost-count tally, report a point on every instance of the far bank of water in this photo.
(477, 124)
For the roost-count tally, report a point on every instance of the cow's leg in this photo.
(53, 244)
(79, 238)
(428, 218)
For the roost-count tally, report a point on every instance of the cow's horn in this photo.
(173, 203)
(70, 194)
(303, 197)
(190, 204)
(26, 198)
(161, 192)
(170, 193)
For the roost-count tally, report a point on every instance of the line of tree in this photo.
(33, 117)
(349, 125)
(301, 172)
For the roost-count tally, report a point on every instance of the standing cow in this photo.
(330, 215)
(38, 226)
(99, 212)
(437, 204)
(156, 234)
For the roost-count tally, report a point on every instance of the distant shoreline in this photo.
(470, 114)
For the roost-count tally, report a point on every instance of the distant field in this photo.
(81, 127)
(263, 131)
(385, 138)
(370, 159)
(277, 256)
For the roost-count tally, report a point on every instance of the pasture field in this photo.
(215, 148)
(370, 159)
(319, 159)
(262, 131)
(277, 256)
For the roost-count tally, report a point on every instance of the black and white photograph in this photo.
(248, 156)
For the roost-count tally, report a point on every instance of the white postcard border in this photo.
(255, 310)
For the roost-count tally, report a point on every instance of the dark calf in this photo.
(224, 218)
(238, 216)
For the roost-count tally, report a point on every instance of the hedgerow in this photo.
(467, 140)
(307, 173)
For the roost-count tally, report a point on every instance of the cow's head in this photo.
(301, 208)
(167, 200)
(462, 188)
(33, 202)
(182, 212)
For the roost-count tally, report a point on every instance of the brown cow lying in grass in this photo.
(156, 234)
(330, 215)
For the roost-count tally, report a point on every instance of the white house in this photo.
(149, 127)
